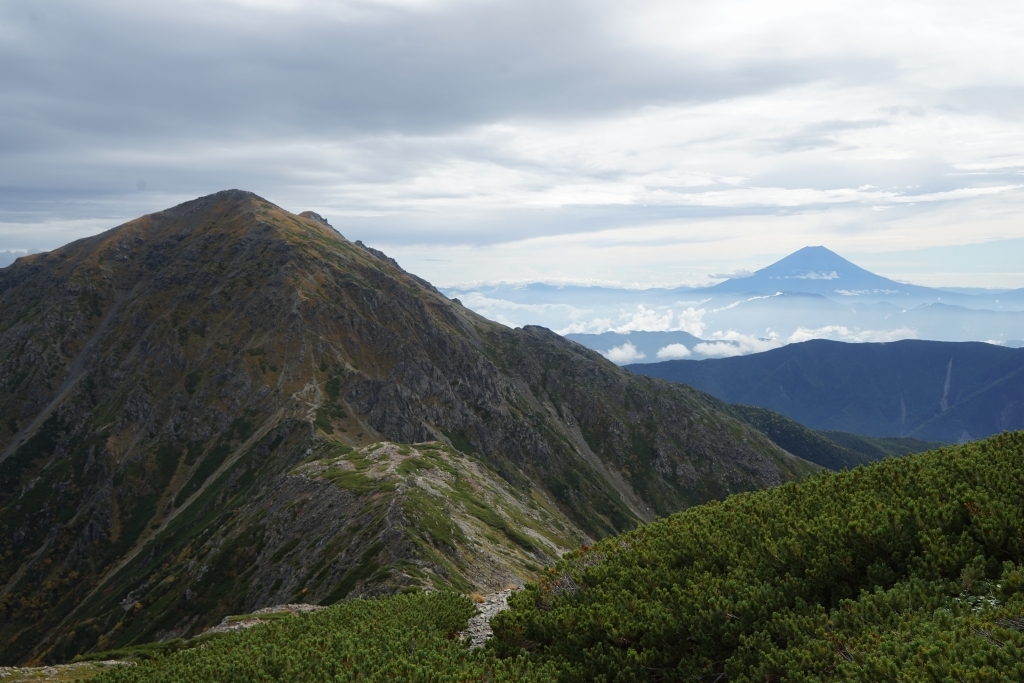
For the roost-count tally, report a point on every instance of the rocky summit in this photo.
(225, 406)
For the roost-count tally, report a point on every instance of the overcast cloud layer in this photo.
(476, 140)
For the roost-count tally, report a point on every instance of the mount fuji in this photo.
(812, 293)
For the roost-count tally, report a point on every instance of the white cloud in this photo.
(595, 326)
(733, 343)
(673, 352)
(719, 350)
(642, 319)
(647, 319)
(481, 302)
(621, 355)
(691, 321)
(843, 333)
(734, 304)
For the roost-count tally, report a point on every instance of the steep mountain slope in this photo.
(937, 391)
(832, 450)
(160, 382)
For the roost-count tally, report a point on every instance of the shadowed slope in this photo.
(938, 391)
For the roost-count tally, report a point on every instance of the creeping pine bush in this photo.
(907, 570)
(401, 638)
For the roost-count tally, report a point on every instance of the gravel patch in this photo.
(233, 623)
(479, 629)
(58, 672)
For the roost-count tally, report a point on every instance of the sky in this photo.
(633, 144)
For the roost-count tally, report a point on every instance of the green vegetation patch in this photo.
(430, 516)
(366, 568)
(460, 441)
(403, 638)
(412, 465)
(137, 652)
(333, 388)
(485, 513)
(192, 380)
(266, 616)
(323, 421)
(908, 569)
(91, 303)
(357, 482)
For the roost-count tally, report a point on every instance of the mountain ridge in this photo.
(937, 391)
(159, 381)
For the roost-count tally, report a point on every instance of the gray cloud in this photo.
(482, 123)
(731, 276)
(822, 134)
(129, 69)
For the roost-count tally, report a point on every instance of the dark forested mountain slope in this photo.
(832, 450)
(937, 391)
(165, 388)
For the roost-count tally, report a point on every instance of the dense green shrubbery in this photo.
(402, 638)
(902, 570)
(907, 570)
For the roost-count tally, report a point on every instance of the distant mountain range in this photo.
(936, 391)
(810, 294)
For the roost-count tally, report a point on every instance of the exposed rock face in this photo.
(158, 382)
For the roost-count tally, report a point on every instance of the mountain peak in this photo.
(163, 384)
(193, 235)
(816, 270)
(813, 263)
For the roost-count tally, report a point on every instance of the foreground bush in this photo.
(401, 638)
(904, 570)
